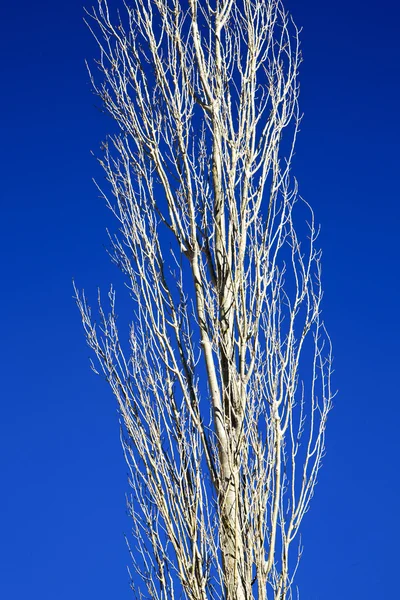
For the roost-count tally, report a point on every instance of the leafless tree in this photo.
(223, 383)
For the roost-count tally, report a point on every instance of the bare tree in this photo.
(224, 383)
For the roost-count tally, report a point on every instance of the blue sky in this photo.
(63, 480)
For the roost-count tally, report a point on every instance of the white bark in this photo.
(223, 291)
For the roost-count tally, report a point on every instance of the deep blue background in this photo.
(63, 479)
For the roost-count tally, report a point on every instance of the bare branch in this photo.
(223, 383)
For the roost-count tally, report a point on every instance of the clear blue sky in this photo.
(62, 514)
